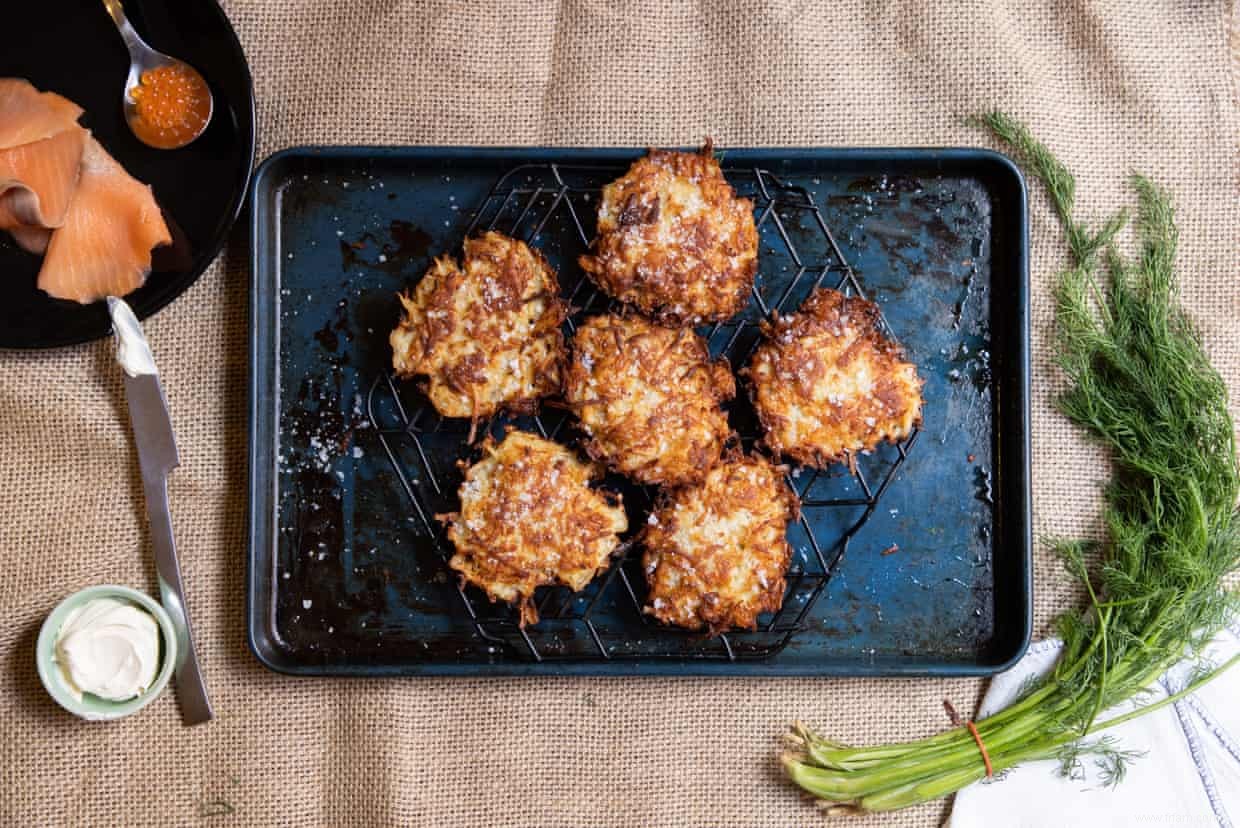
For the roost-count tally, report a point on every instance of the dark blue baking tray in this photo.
(915, 562)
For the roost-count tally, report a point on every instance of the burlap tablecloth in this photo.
(1112, 86)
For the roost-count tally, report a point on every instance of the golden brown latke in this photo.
(529, 518)
(648, 397)
(485, 334)
(674, 240)
(716, 552)
(827, 383)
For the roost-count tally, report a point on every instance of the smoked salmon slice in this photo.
(32, 239)
(37, 180)
(112, 224)
(28, 115)
(62, 195)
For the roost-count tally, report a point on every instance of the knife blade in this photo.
(157, 457)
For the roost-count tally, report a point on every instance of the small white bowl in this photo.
(91, 707)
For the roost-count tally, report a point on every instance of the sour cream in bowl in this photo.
(106, 652)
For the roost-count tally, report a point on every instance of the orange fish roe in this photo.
(172, 105)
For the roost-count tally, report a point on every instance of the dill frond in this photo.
(1141, 385)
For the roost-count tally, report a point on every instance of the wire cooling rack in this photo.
(552, 207)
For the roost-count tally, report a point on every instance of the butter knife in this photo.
(157, 456)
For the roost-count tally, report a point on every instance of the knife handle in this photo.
(191, 690)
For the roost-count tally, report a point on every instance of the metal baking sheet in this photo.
(916, 562)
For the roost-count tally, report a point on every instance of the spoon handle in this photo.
(133, 42)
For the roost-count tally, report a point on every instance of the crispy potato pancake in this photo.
(484, 333)
(648, 397)
(529, 518)
(827, 383)
(716, 552)
(674, 240)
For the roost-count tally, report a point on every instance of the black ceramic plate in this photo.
(71, 47)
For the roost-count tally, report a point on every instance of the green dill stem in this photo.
(949, 739)
(957, 739)
(1103, 617)
(1191, 688)
(958, 735)
(901, 770)
(934, 787)
(891, 790)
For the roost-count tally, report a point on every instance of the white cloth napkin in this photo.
(1189, 775)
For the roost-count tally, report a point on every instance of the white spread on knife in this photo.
(109, 648)
(133, 352)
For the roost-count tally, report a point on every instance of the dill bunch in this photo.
(1142, 386)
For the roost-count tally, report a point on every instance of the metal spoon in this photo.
(141, 59)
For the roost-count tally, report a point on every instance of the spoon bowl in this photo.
(143, 61)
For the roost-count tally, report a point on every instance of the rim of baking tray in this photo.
(1018, 440)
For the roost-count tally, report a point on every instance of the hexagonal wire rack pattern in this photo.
(544, 203)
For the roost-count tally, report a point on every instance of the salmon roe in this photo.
(172, 105)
